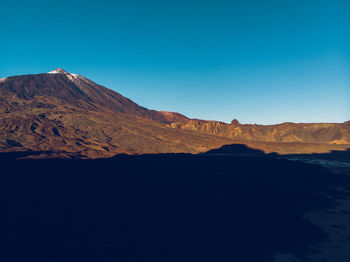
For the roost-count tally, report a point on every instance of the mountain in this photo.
(59, 86)
(68, 115)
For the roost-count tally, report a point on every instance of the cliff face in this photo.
(332, 133)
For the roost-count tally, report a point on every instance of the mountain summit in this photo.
(59, 86)
(58, 71)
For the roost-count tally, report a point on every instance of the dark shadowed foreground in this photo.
(167, 207)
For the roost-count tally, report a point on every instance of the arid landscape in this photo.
(71, 116)
(90, 175)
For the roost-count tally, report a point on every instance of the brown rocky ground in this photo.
(95, 134)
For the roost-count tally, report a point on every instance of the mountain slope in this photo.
(66, 88)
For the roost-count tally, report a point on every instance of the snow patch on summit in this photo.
(56, 71)
(70, 76)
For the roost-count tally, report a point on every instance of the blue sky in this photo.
(258, 61)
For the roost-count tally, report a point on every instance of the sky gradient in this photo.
(257, 61)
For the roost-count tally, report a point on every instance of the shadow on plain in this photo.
(219, 206)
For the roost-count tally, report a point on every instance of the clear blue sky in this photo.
(257, 61)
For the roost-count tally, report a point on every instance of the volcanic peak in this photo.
(70, 76)
(58, 71)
